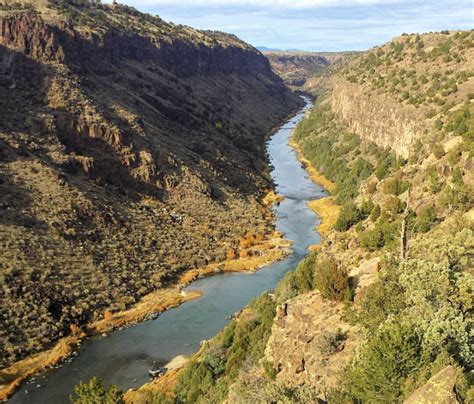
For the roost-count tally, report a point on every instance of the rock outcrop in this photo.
(377, 118)
(438, 390)
(310, 342)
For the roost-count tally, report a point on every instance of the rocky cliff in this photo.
(129, 148)
(296, 68)
(378, 118)
(395, 93)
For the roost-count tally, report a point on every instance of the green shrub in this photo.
(457, 196)
(332, 281)
(457, 177)
(214, 359)
(378, 373)
(461, 122)
(438, 151)
(380, 236)
(348, 216)
(304, 273)
(286, 288)
(425, 221)
(375, 214)
(394, 205)
(94, 392)
(381, 299)
(385, 165)
(395, 186)
(435, 182)
(367, 207)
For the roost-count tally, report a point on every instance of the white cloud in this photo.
(314, 24)
(281, 4)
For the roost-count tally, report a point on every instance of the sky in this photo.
(314, 25)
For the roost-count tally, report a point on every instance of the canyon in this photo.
(138, 156)
(130, 147)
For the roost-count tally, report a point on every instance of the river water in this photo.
(125, 356)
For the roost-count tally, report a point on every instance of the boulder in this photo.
(438, 390)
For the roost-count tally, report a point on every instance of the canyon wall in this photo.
(377, 117)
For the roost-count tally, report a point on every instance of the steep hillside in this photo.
(129, 148)
(295, 68)
(382, 311)
(399, 92)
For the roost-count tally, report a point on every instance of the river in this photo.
(125, 356)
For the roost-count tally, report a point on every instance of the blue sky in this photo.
(316, 25)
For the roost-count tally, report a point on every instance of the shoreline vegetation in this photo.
(326, 209)
(253, 254)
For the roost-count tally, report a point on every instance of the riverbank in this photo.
(262, 252)
(252, 252)
(326, 209)
(251, 259)
(152, 304)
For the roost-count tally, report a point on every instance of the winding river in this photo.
(125, 356)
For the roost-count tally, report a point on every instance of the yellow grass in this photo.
(272, 198)
(314, 174)
(260, 254)
(328, 212)
(325, 208)
(155, 302)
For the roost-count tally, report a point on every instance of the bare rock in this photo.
(364, 275)
(438, 390)
(295, 348)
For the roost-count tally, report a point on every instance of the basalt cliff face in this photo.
(129, 148)
(394, 94)
(378, 118)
